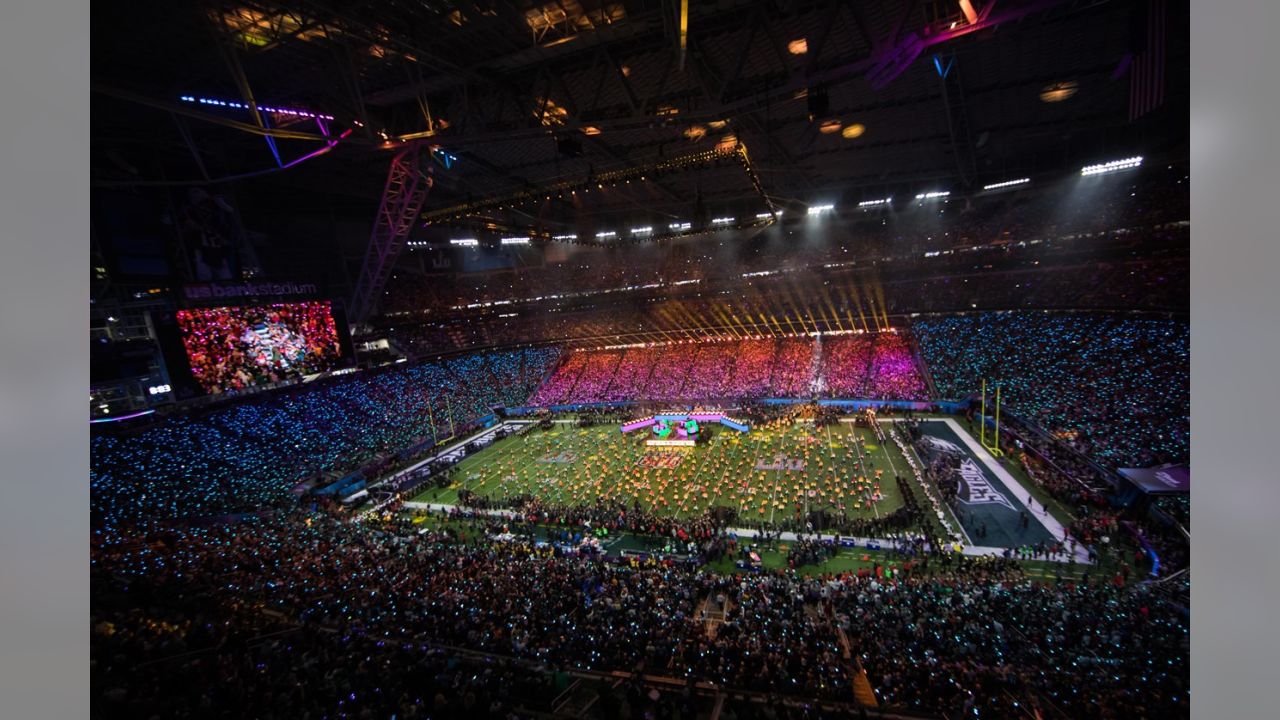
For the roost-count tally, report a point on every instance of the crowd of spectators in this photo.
(631, 379)
(846, 361)
(1061, 470)
(752, 369)
(998, 278)
(1114, 387)
(247, 455)
(710, 366)
(369, 600)
(672, 368)
(596, 376)
(557, 386)
(1043, 213)
(879, 366)
(1022, 250)
(793, 369)
(1177, 507)
(893, 373)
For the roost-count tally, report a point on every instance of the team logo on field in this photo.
(975, 489)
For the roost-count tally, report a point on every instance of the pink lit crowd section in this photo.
(877, 366)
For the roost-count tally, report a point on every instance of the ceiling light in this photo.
(1059, 91)
(799, 46)
(1113, 166)
(1006, 183)
(854, 131)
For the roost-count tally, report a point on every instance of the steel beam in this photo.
(892, 60)
(957, 118)
(402, 198)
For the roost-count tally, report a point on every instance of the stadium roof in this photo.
(530, 93)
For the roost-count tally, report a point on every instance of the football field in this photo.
(770, 474)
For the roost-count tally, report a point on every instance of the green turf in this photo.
(601, 462)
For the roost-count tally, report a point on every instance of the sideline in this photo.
(455, 449)
(863, 542)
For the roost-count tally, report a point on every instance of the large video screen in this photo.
(231, 348)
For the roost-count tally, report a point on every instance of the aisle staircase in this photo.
(576, 701)
(713, 615)
(862, 690)
(817, 381)
(924, 367)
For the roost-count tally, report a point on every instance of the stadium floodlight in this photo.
(646, 230)
(873, 203)
(564, 237)
(515, 241)
(933, 194)
(721, 220)
(1006, 183)
(1113, 166)
(606, 234)
(816, 209)
(465, 242)
(680, 225)
(766, 216)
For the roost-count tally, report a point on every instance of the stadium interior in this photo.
(640, 358)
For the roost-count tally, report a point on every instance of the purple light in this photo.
(243, 106)
(328, 146)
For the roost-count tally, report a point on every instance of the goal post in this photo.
(994, 447)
